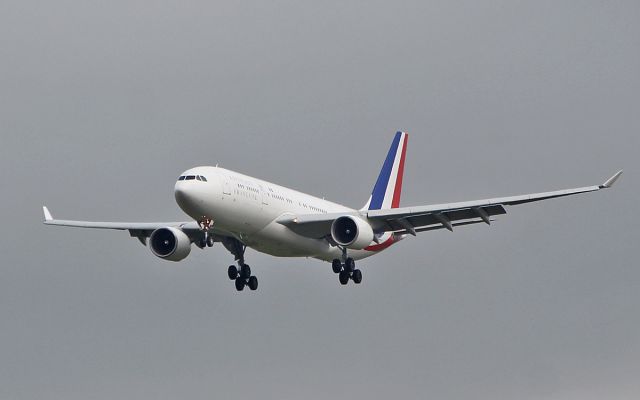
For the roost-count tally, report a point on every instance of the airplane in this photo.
(241, 211)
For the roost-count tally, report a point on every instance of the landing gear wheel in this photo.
(245, 271)
(336, 265)
(349, 265)
(239, 284)
(202, 243)
(253, 283)
(357, 276)
(209, 241)
(343, 277)
(232, 272)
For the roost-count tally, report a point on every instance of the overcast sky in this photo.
(104, 103)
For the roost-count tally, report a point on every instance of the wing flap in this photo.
(419, 220)
(435, 227)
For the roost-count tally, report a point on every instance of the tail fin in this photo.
(386, 192)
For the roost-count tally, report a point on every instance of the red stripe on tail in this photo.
(395, 202)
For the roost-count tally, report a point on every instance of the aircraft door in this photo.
(226, 185)
(265, 195)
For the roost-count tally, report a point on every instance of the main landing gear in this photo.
(242, 277)
(241, 274)
(346, 270)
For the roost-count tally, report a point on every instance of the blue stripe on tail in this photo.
(377, 196)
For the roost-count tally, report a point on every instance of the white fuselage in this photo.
(247, 209)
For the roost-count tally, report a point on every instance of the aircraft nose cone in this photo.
(187, 198)
(183, 198)
(196, 191)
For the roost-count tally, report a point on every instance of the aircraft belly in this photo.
(278, 240)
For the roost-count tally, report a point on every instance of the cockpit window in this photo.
(192, 177)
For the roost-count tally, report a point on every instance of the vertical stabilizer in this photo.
(386, 192)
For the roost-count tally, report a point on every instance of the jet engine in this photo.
(352, 232)
(170, 244)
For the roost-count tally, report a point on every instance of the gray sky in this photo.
(104, 103)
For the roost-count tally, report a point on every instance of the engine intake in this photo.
(352, 232)
(170, 244)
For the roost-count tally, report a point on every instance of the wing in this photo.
(140, 230)
(412, 220)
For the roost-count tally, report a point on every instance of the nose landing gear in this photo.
(207, 240)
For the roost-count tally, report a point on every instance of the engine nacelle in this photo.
(170, 244)
(352, 232)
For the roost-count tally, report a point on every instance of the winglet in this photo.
(47, 214)
(611, 180)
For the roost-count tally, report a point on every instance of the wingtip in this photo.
(611, 180)
(47, 214)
